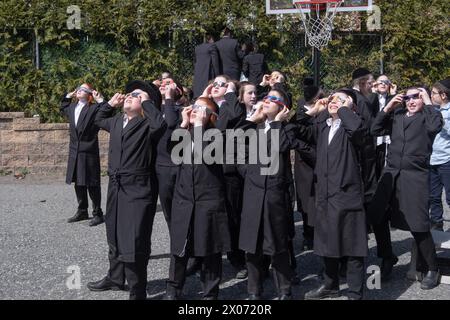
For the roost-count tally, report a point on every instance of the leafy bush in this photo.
(124, 39)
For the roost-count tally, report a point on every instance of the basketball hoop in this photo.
(317, 17)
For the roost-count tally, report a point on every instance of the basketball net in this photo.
(317, 17)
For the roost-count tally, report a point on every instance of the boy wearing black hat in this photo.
(130, 207)
(440, 158)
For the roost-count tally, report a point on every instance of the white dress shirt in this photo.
(383, 139)
(78, 110)
(125, 120)
(334, 126)
(267, 125)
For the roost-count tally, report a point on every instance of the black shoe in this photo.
(254, 297)
(431, 280)
(210, 298)
(285, 297)
(307, 245)
(96, 220)
(242, 274)
(354, 298)
(104, 285)
(439, 226)
(321, 293)
(79, 216)
(386, 267)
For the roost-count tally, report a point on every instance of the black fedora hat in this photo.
(148, 87)
(350, 92)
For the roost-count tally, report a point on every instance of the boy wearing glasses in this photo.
(199, 225)
(83, 166)
(340, 222)
(440, 158)
(265, 223)
(130, 206)
(404, 183)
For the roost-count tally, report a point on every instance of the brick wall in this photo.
(40, 148)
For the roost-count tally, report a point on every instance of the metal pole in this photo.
(382, 54)
(36, 48)
(316, 62)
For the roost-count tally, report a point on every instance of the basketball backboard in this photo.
(288, 7)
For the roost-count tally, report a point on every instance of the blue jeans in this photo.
(439, 178)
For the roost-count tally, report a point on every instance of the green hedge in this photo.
(124, 39)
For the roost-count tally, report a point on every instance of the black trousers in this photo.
(423, 252)
(210, 274)
(134, 273)
(234, 185)
(382, 234)
(167, 176)
(380, 159)
(355, 274)
(308, 231)
(282, 273)
(94, 194)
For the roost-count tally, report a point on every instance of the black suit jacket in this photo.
(83, 166)
(207, 66)
(231, 57)
(254, 67)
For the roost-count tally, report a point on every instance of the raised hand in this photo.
(170, 91)
(425, 96)
(71, 94)
(98, 97)
(393, 89)
(231, 87)
(282, 115)
(200, 116)
(348, 102)
(117, 100)
(186, 115)
(394, 103)
(207, 92)
(265, 80)
(258, 116)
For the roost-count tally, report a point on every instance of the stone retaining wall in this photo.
(29, 146)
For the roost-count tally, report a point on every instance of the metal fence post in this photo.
(36, 50)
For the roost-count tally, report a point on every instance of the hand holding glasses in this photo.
(201, 108)
(117, 100)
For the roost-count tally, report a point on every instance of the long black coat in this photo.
(83, 166)
(207, 66)
(368, 108)
(130, 203)
(231, 57)
(266, 221)
(199, 224)
(404, 182)
(340, 222)
(172, 118)
(305, 161)
(254, 67)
